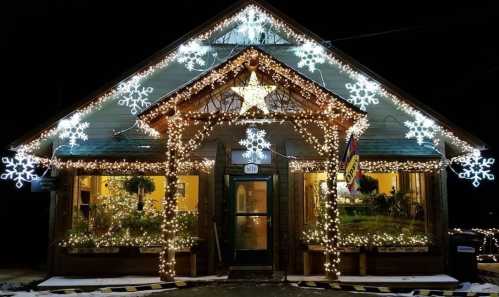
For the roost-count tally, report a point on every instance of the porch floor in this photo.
(423, 281)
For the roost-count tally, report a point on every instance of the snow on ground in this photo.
(86, 294)
(476, 287)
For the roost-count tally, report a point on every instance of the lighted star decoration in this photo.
(73, 129)
(252, 23)
(362, 92)
(310, 55)
(254, 94)
(421, 128)
(20, 168)
(255, 143)
(476, 168)
(192, 54)
(134, 95)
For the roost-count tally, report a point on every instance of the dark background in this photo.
(55, 53)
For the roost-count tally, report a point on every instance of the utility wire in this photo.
(375, 34)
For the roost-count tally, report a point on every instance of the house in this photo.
(225, 150)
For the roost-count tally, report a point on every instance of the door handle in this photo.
(269, 220)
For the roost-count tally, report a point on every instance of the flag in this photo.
(351, 162)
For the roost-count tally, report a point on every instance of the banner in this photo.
(352, 165)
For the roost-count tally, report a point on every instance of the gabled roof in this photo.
(272, 67)
(293, 31)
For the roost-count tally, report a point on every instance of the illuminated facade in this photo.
(226, 150)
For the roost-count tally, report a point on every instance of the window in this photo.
(388, 209)
(128, 210)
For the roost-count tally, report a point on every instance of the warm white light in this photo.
(254, 94)
(73, 129)
(421, 128)
(362, 92)
(255, 143)
(191, 54)
(134, 95)
(310, 54)
(20, 169)
(476, 168)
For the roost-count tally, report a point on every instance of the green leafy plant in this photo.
(133, 184)
(368, 185)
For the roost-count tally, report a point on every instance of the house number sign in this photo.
(251, 168)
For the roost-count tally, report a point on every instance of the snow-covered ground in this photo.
(468, 287)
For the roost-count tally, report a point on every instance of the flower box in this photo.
(101, 250)
(402, 249)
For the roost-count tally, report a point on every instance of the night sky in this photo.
(56, 53)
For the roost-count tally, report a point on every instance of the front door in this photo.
(251, 220)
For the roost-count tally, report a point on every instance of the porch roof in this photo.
(154, 149)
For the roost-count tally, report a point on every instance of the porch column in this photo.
(332, 255)
(169, 226)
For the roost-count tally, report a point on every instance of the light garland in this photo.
(266, 64)
(490, 243)
(379, 166)
(362, 92)
(241, 18)
(381, 239)
(20, 168)
(126, 167)
(357, 129)
(255, 143)
(254, 94)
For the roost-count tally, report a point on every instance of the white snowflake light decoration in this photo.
(421, 128)
(255, 143)
(362, 92)
(476, 168)
(20, 169)
(252, 23)
(134, 95)
(191, 54)
(73, 129)
(310, 55)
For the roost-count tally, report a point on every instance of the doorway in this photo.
(250, 207)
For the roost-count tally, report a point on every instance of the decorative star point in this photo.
(254, 94)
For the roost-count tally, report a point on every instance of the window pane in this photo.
(128, 210)
(251, 197)
(251, 233)
(389, 206)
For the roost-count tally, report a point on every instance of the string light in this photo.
(254, 94)
(241, 18)
(380, 239)
(357, 129)
(126, 167)
(380, 166)
(490, 244)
